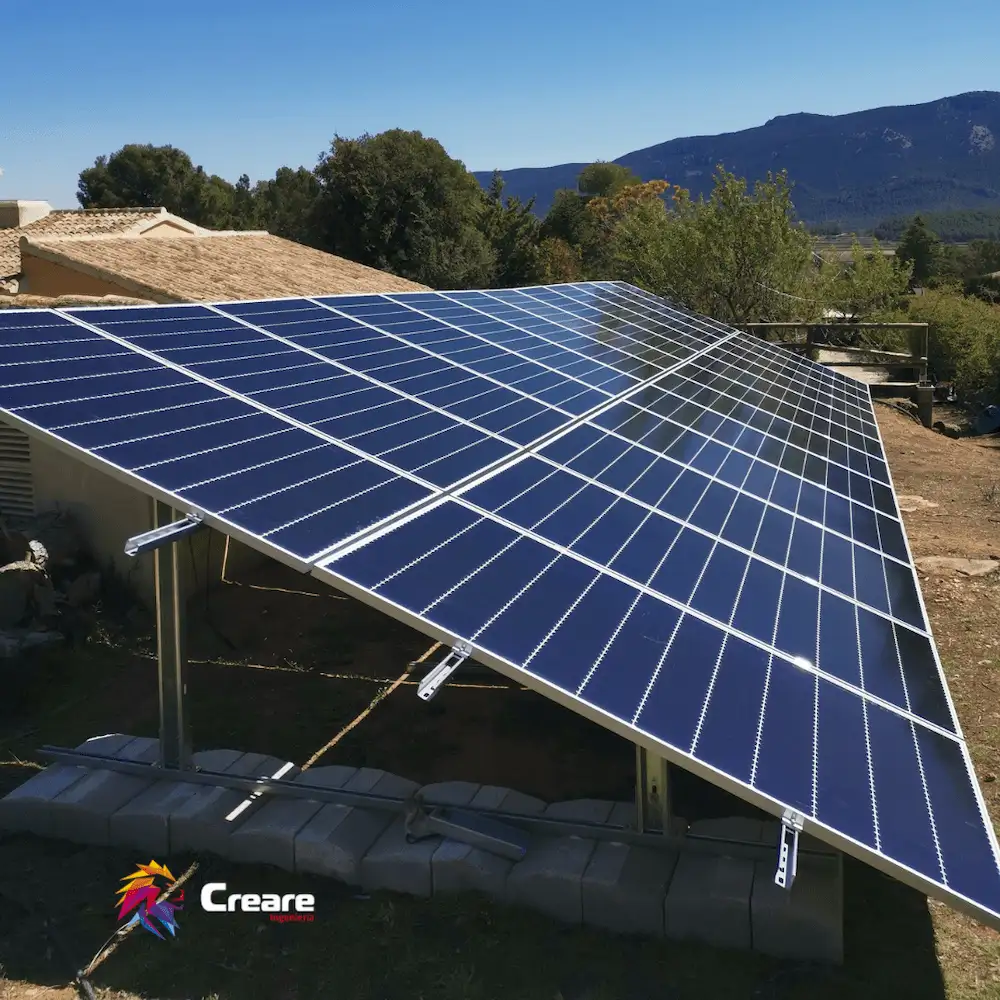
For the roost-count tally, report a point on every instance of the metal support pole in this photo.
(924, 392)
(654, 809)
(175, 743)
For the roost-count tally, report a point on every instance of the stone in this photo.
(549, 878)
(204, 821)
(910, 503)
(144, 822)
(805, 923)
(27, 807)
(82, 812)
(951, 566)
(625, 886)
(17, 585)
(268, 836)
(708, 900)
(337, 837)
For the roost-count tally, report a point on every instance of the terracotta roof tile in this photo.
(216, 267)
(70, 222)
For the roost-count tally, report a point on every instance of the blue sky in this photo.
(253, 85)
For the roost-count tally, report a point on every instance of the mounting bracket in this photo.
(163, 534)
(429, 686)
(788, 848)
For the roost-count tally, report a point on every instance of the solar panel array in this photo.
(683, 532)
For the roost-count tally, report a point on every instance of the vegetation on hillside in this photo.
(953, 227)
(399, 202)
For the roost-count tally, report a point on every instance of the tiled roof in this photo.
(215, 266)
(71, 222)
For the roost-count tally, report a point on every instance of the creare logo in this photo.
(142, 894)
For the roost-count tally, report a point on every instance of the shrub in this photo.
(963, 341)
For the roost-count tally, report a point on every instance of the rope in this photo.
(381, 696)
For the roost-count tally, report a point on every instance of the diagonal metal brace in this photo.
(165, 534)
(464, 827)
(788, 848)
(428, 687)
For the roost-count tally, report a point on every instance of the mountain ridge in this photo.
(853, 169)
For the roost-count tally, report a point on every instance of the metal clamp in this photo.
(792, 823)
(428, 687)
(165, 534)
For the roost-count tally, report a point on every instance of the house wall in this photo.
(45, 277)
(109, 512)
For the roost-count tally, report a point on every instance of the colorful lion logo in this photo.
(141, 893)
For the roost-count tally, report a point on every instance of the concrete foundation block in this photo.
(580, 810)
(27, 807)
(82, 811)
(395, 864)
(709, 900)
(625, 887)
(550, 877)
(336, 839)
(457, 867)
(200, 823)
(498, 797)
(268, 836)
(449, 793)
(144, 823)
(806, 922)
(379, 782)
(624, 814)
(732, 828)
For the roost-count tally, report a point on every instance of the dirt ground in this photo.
(280, 664)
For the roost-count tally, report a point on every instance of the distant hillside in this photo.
(850, 170)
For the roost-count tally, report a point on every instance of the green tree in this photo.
(512, 232)
(737, 256)
(146, 176)
(567, 219)
(872, 283)
(604, 180)
(558, 261)
(284, 205)
(920, 247)
(398, 202)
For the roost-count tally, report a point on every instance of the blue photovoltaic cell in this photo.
(190, 439)
(688, 531)
(692, 685)
(427, 443)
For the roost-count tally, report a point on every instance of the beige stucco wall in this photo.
(109, 512)
(45, 277)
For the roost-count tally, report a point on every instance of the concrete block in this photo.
(709, 900)
(27, 807)
(336, 839)
(395, 864)
(457, 867)
(549, 878)
(498, 797)
(624, 814)
(733, 828)
(144, 822)
(449, 793)
(580, 810)
(200, 822)
(806, 922)
(268, 836)
(82, 811)
(625, 886)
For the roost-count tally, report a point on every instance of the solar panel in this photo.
(681, 532)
